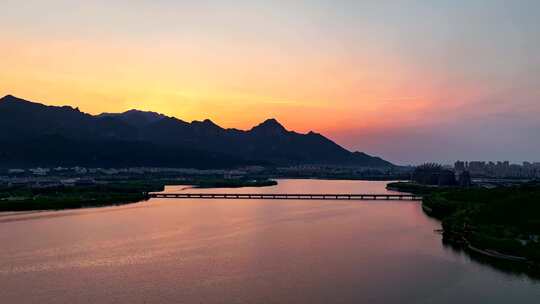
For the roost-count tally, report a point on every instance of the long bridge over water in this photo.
(287, 196)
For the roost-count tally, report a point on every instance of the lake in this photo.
(246, 251)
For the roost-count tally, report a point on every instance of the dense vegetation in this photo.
(506, 220)
(56, 198)
(117, 193)
(502, 222)
(412, 187)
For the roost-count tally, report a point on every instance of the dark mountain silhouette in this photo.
(135, 118)
(32, 134)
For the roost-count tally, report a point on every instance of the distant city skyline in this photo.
(409, 81)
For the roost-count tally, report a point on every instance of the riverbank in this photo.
(414, 188)
(104, 194)
(73, 197)
(501, 223)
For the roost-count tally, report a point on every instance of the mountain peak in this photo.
(139, 112)
(10, 98)
(14, 102)
(23, 103)
(207, 123)
(270, 125)
(271, 121)
(136, 117)
(204, 122)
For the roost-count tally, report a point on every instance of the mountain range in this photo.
(33, 134)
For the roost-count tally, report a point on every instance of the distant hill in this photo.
(33, 134)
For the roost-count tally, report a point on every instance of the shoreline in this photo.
(25, 199)
(456, 208)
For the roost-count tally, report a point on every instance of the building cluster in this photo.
(336, 171)
(66, 176)
(437, 175)
(80, 176)
(45, 182)
(500, 169)
(123, 171)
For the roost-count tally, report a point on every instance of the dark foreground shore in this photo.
(501, 223)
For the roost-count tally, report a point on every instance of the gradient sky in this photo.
(411, 81)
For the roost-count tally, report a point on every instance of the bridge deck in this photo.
(286, 196)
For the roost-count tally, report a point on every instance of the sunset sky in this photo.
(410, 81)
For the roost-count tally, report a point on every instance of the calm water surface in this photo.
(245, 251)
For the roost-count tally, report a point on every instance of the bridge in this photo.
(287, 196)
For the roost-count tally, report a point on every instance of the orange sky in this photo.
(305, 91)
